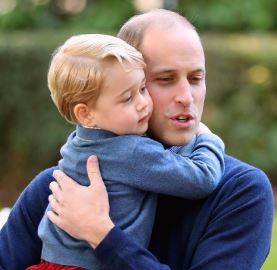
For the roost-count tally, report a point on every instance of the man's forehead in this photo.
(166, 28)
(165, 39)
(173, 50)
(175, 64)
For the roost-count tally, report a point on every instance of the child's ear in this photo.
(84, 115)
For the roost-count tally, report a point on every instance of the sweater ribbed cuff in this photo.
(110, 247)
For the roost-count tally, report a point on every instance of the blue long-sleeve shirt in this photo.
(231, 229)
(133, 167)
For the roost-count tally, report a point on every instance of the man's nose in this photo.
(184, 93)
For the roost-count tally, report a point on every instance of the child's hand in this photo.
(203, 129)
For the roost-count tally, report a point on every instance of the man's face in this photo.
(175, 77)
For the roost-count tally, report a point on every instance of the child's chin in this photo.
(144, 131)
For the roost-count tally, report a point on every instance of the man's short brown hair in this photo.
(134, 29)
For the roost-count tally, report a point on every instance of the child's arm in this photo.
(148, 166)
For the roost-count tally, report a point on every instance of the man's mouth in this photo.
(183, 118)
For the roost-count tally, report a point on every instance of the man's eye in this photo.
(165, 79)
(196, 79)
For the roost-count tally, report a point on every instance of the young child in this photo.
(97, 82)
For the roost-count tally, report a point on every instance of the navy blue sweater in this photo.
(231, 229)
(132, 167)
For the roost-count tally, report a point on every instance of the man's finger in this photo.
(55, 205)
(54, 218)
(59, 176)
(56, 189)
(93, 171)
(63, 180)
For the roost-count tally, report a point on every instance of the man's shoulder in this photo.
(234, 166)
(46, 173)
(241, 174)
(41, 181)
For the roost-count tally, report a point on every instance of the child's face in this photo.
(124, 105)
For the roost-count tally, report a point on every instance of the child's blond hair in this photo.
(76, 70)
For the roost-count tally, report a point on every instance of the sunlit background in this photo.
(240, 42)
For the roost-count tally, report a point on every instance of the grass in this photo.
(271, 262)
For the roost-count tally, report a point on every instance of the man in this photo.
(229, 230)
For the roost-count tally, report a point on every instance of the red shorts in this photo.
(44, 265)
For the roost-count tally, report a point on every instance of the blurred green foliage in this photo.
(235, 15)
(215, 15)
(100, 15)
(241, 100)
(242, 96)
(271, 261)
(241, 103)
(31, 129)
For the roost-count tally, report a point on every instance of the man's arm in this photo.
(238, 232)
(88, 219)
(19, 244)
(118, 251)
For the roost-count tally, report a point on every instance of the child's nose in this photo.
(142, 104)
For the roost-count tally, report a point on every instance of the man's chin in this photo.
(172, 138)
(176, 140)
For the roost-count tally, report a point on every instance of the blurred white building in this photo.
(4, 214)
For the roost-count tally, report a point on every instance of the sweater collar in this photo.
(96, 133)
(186, 149)
(93, 133)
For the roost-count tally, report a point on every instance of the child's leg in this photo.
(44, 265)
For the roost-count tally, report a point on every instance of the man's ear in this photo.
(84, 115)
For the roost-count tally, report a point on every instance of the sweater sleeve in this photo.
(239, 228)
(19, 244)
(151, 168)
(239, 218)
(118, 251)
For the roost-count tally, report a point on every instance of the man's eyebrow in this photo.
(199, 70)
(161, 71)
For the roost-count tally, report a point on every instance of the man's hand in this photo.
(83, 212)
(203, 129)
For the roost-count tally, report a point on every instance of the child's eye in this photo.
(127, 99)
(143, 90)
